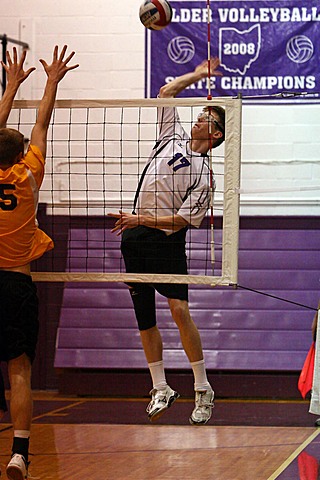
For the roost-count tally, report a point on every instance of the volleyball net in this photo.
(96, 153)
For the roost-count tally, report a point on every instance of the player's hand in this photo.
(14, 68)
(124, 221)
(58, 68)
(202, 69)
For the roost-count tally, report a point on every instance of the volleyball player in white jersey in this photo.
(173, 193)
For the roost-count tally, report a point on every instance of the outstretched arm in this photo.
(15, 76)
(55, 73)
(176, 86)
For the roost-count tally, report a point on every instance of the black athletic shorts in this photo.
(19, 324)
(150, 250)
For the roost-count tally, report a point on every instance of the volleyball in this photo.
(155, 14)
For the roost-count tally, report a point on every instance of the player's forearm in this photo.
(6, 103)
(174, 222)
(177, 85)
(47, 104)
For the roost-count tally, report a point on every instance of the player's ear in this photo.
(214, 137)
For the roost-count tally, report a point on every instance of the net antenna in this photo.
(209, 97)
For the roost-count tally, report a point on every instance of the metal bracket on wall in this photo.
(4, 41)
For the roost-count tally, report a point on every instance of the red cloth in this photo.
(306, 375)
(308, 467)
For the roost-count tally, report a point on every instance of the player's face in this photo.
(206, 125)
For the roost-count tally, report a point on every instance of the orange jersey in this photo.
(21, 241)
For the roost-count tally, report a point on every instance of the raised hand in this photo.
(202, 69)
(15, 76)
(14, 68)
(58, 68)
(55, 72)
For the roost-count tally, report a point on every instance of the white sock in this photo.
(21, 433)
(200, 376)
(157, 374)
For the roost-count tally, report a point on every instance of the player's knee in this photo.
(144, 306)
(179, 310)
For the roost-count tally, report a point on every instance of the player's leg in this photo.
(162, 396)
(143, 299)
(21, 334)
(134, 248)
(191, 342)
(3, 403)
(171, 258)
(140, 248)
(19, 370)
(152, 345)
(189, 334)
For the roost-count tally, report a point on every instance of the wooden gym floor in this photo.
(110, 439)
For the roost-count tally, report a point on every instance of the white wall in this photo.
(281, 144)
(281, 152)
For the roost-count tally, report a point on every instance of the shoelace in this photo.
(160, 397)
(201, 402)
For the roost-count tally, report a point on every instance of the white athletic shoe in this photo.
(202, 411)
(160, 402)
(17, 468)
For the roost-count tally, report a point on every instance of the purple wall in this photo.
(240, 329)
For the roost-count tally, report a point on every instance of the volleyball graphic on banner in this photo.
(299, 49)
(155, 14)
(181, 50)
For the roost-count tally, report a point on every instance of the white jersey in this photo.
(175, 179)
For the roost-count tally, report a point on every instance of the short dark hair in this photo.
(11, 144)
(220, 111)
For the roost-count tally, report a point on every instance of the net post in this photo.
(231, 210)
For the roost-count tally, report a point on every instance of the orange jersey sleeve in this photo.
(21, 241)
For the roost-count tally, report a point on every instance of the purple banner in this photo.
(266, 47)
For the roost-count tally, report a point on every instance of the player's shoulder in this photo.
(34, 156)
